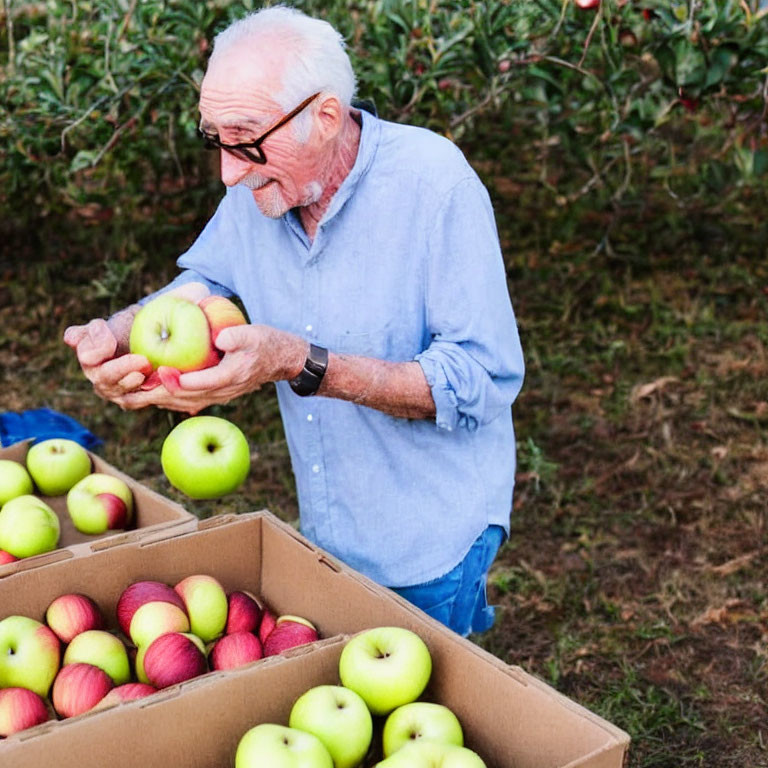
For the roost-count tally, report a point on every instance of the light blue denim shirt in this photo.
(405, 266)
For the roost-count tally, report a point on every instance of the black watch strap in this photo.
(308, 381)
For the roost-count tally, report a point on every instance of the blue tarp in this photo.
(42, 424)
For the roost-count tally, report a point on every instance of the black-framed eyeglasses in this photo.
(251, 150)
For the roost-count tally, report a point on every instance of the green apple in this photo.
(421, 720)
(101, 649)
(156, 618)
(14, 481)
(387, 666)
(432, 754)
(339, 718)
(57, 464)
(173, 331)
(277, 746)
(207, 605)
(206, 457)
(99, 503)
(28, 526)
(29, 654)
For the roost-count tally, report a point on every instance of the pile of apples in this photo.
(383, 671)
(96, 502)
(166, 635)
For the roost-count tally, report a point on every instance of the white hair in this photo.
(312, 57)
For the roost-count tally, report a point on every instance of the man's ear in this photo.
(330, 117)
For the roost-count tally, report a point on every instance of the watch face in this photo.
(308, 381)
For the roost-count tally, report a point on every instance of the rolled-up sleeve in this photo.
(474, 362)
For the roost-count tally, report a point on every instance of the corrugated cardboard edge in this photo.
(619, 739)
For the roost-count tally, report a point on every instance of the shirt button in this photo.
(308, 328)
(315, 468)
(309, 417)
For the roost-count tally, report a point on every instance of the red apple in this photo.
(69, 615)
(267, 624)
(587, 5)
(127, 692)
(243, 614)
(235, 650)
(7, 557)
(78, 688)
(20, 708)
(173, 658)
(140, 592)
(221, 314)
(289, 632)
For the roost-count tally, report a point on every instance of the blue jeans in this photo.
(458, 599)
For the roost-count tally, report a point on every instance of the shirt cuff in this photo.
(447, 416)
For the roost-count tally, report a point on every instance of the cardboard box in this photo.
(151, 512)
(510, 717)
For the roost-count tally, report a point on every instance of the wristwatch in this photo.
(308, 381)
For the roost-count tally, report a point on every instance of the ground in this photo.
(633, 579)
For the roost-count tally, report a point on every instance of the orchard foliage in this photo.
(98, 97)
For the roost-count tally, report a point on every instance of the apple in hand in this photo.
(20, 709)
(205, 457)
(79, 688)
(28, 526)
(421, 720)
(140, 592)
(154, 619)
(173, 658)
(243, 613)
(387, 666)
(206, 603)
(432, 754)
(103, 650)
(173, 331)
(69, 615)
(278, 746)
(57, 464)
(221, 313)
(289, 632)
(339, 718)
(100, 503)
(29, 654)
(235, 650)
(14, 481)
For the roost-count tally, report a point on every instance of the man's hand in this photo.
(96, 346)
(253, 356)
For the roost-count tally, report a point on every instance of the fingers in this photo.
(131, 381)
(96, 345)
(214, 378)
(74, 334)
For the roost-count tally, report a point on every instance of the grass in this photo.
(633, 579)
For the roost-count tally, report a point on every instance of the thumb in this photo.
(97, 345)
(234, 337)
(74, 335)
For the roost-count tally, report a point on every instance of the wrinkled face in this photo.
(236, 104)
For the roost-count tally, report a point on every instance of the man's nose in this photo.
(233, 169)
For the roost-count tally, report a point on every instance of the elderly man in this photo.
(367, 258)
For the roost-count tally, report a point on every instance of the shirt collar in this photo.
(369, 142)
